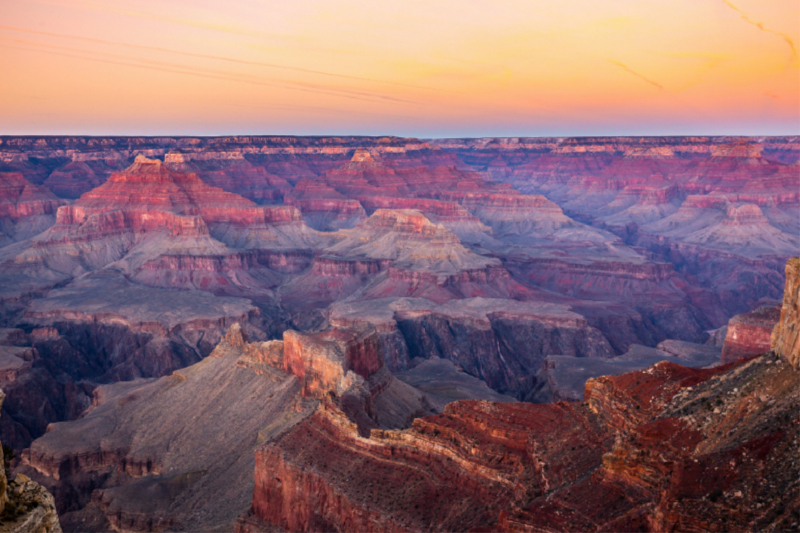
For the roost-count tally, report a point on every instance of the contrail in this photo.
(181, 69)
(217, 76)
(217, 58)
(760, 26)
(626, 69)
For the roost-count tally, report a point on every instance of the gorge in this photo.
(379, 333)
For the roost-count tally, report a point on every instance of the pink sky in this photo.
(417, 68)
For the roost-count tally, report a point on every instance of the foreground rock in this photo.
(25, 506)
(660, 449)
(786, 336)
(178, 452)
(29, 508)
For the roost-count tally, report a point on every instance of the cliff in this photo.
(330, 361)
(25, 209)
(659, 449)
(750, 333)
(149, 454)
(25, 506)
(785, 339)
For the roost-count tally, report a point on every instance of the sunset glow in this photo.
(444, 68)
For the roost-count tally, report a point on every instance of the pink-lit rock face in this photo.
(158, 220)
(722, 210)
(321, 361)
(25, 209)
(750, 334)
(148, 185)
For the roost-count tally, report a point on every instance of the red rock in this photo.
(642, 453)
(785, 339)
(232, 172)
(25, 209)
(750, 333)
(110, 469)
(322, 361)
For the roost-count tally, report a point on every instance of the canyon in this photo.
(395, 298)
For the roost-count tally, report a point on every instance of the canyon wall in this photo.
(488, 268)
(630, 457)
(785, 339)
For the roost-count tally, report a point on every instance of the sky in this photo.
(421, 68)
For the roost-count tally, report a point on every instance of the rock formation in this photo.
(750, 333)
(25, 209)
(664, 448)
(691, 200)
(785, 339)
(492, 269)
(25, 506)
(154, 454)
(128, 258)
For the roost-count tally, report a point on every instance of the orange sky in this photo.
(419, 68)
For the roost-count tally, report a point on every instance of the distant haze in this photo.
(413, 68)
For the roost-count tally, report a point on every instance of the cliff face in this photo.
(491, 254)
(25, 209)
(25, 506)
(660, 449)
(325, 362)
(786, 336)
(750, 333)
(151, 455)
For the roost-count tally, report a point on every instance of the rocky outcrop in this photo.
(149, 454)
(750, 334)
(29, 508)
(785, 339)
(332, 361)
(25, 506)
(25, 209)
(629, 457)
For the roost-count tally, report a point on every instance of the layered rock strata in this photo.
(25, 506)
(25, 209)
(750, 333)
(630, 457)
(149, 455)
(786, 336)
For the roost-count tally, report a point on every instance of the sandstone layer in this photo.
(786, 336)
(475, 261)
(750, 333)
(25, 209)
(665, 448)
(178, 452)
